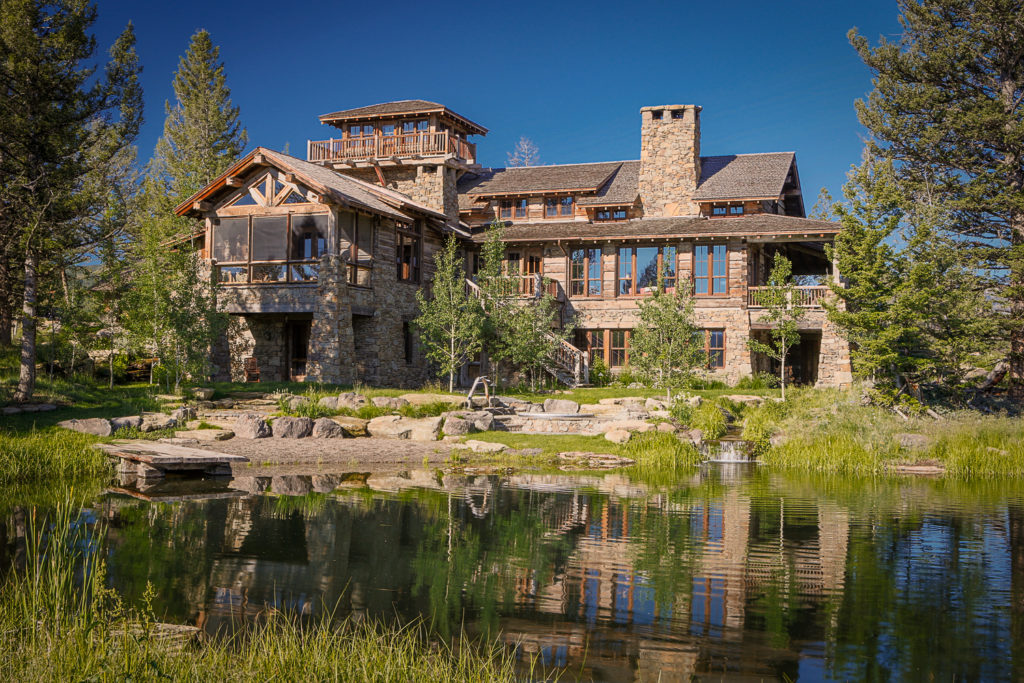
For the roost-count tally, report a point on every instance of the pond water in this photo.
(729, 572)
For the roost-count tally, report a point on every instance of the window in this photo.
(269, 249)
(736, 210)
(231, 240)
(520, 208)
(388, 129)
(308, 243)
(407, 341)
(585, 272)
(360, 131)
(678, 113)
(714, 347)
(656, 115)
(609, 215)
(407, 253)
(710, 270)
(618, 348)
(506, 209)
(726, 210)
(513, 208)
(639, 268)
(591, 342)
(270, 238)
(558, 207)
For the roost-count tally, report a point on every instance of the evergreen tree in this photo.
(948, 110)
(59, 123)
(172, 308)
(450, 320)
(782, 313)
(666, 345)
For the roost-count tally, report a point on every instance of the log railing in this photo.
(387, 146)
(804, 297)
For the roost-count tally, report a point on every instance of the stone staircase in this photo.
(568, 364)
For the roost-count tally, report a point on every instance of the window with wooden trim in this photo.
(360, 131)
(512, 208)
(710, 270)
(591, 342)
(736, 210)
(585, 272)
(269, 249)
(408, 252)
(618, 347)
(610, 215)
(559, 207)
(639, 268)
(714, 347)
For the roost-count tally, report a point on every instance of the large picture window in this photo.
(710, 270)
(269, 249)
(585, 272)
(639, 268)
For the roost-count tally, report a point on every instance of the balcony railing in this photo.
(804, 297)
(408, 145)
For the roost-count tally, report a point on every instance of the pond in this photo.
(731, 571)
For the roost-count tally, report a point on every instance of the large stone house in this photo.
(319, 259)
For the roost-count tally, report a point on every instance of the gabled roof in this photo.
(336, 188)
(621, 189)
(756, 225)
(744, 176)
(536, 179)
(400, 108)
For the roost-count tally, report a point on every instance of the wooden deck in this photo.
(153, 460)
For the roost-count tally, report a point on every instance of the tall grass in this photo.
(59, 622)
(660, 456)
(56, 455)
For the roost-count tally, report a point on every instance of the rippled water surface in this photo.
(728, 573)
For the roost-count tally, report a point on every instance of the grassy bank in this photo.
(59, 622)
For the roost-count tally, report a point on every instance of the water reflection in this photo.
(731, 572)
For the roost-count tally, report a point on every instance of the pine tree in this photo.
(450, 320)
(948, 110)
(172, 309)
(782, 313)
(666, 344)
(58, 124)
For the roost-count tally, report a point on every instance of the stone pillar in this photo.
(331, 341)
(669, 160)
(834, 366)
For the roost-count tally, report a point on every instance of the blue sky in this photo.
(771, 76)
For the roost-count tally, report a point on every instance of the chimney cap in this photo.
(671, 107)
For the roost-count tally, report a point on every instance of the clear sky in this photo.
(771, 76)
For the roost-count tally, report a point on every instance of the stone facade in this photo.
(669, 160)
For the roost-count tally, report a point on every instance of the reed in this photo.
(52, 455)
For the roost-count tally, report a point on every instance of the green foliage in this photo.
(666, 345)
(433, 409)
(600, 374)
(35, 457)
(946, 111)
(451, 319)
(626, 376)
(709, 419)
(758, 381)
(782, 313)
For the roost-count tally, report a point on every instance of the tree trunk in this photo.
(782, 376)
(1017, 307)
(27, 376)
(6, 305)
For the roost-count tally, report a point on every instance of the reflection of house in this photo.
(319, 259)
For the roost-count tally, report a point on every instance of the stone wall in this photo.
(430, 185)
(330, 338)
(262, 337)
(669, 160)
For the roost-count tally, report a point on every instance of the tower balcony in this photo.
(410, 146)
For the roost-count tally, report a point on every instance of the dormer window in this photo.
(726, 210)
(610, 215)
(718, 211)
(736, 210)
(512, 208)
(558, 207)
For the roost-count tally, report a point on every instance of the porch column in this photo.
(331, 340)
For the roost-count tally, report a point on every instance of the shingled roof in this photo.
(534, 179)
(399, 108)
(620, 190)
(756, 225)
(743, 176)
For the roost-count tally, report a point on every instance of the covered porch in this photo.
(812, 270)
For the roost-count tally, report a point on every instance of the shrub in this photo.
(627, 376)
(709, 419)
(600, 375)
(759, 380)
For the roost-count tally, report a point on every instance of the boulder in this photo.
(252, 426)
(202, 393)
(636, 385)
(225, 403)
(456, 426)
(296, 402)
(667, 427)
(93, 425)
(601, 409)
(251, 485)
(205, 434)
(292, 427)
(481, 420)
(183, 414)
(330, 402)
(353, 426)
(37, 407)
(595, 461)
(484, 446)
(152, 422)
(622, 400)
(561, 406)
(398, 427)
(655, 404)
(694, 436)
(617, 435)
(325, 483)
(291, 484)
(744, 398)
(912, 442)
(129, 422)
(326, 428)
(351, 400)
(627, 426)
(389, 402)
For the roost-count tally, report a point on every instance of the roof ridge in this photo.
(574, 163)
(746, 154)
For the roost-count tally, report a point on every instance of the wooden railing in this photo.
(804, 297)
(388, 146)
(572, 365)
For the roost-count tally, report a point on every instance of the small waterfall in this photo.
(727, 450)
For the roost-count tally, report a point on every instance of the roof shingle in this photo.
(399, 108)
(526, 179)
(743, 176)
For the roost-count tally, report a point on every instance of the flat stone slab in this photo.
(484, 446)
(423, 399)
(165, 456)
(205, 434)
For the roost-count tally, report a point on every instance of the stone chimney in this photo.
(669, 159)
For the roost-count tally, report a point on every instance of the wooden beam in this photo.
(201, 206)
(233, 181)
(289, 177)
(259, 160)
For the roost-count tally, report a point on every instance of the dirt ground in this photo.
(329, 456)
